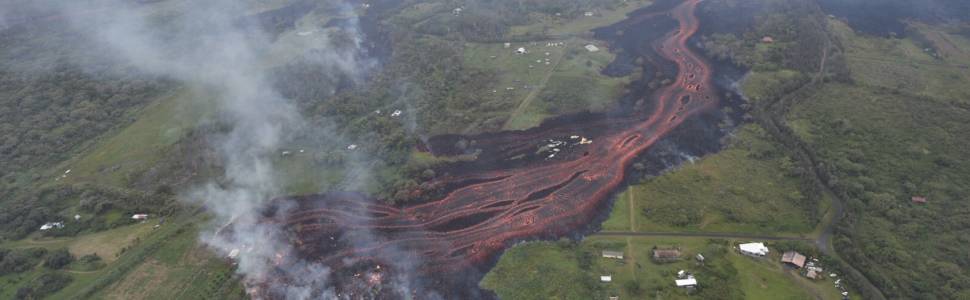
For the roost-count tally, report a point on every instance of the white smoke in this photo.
(201, 44)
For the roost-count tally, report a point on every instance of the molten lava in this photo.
(513, 191)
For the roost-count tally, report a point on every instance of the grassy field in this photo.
(106, 244)
(901, 64)
(580, 25)
(548, 80)
(748, 187)
(180, 269)
(140, 145)
(567, 270)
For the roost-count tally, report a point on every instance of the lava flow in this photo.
(542, 183)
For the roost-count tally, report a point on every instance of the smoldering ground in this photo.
(224, 48)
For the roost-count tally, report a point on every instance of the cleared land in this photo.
(541, 271)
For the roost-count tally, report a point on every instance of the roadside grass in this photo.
(619, 219)
(747, 188)
(570, 270)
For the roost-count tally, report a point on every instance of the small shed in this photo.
(919, 199)
(139, 216)
(521, 50)
(592, 48)
(793, 258)
(606, 278)
(612, 254)
(753, 249)
(768, 40)
(811, 274)
(665, 255)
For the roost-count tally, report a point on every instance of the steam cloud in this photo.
(202, 44)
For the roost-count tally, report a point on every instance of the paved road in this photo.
(729, 235)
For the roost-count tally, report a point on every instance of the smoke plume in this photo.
(209, 45)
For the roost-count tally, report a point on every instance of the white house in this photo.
(140, 216)
(753, 249)
(606, 278)
(686, 282)
(521, 50)
(592, 48)
(51, 225)
(233, 254)
(608, 253)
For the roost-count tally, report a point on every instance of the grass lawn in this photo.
(566, 270)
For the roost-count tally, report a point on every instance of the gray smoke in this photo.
(202, 44)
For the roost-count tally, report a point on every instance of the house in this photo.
(588, 14)
(521, 50)
(507, 45)
(614, 297)
(139, 216)
(606, 278)
(51, 225)
(768, 40)
(665, 255)
(811, 274)
(919, 199)
(77, 217)
(793, 258)
(753, 249)
(592, 48)
(700, 257)
(688, 282)
(612, 254)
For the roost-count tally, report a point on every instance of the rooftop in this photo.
(794, 258)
